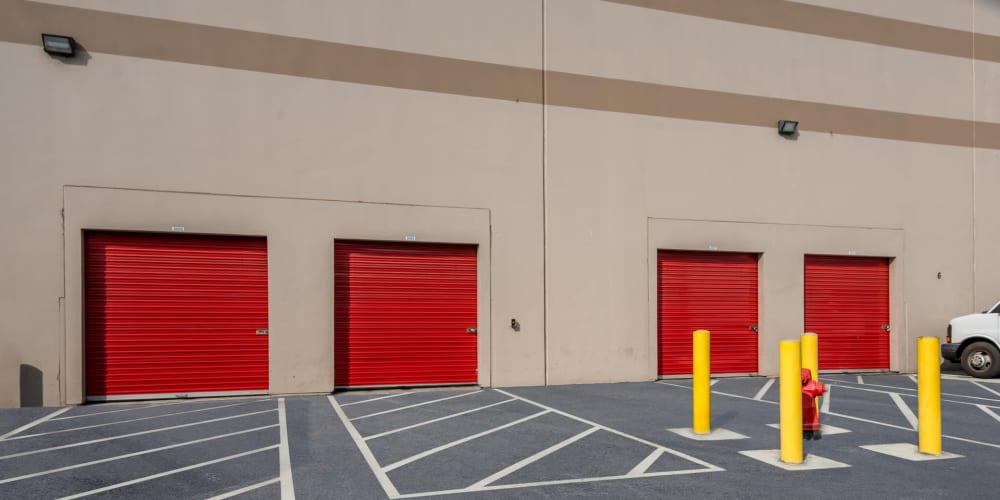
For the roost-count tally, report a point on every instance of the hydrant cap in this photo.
(814, 389)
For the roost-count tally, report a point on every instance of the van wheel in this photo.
(981, 360)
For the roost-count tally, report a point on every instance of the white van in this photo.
(974, 340)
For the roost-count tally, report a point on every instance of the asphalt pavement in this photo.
(628, 440)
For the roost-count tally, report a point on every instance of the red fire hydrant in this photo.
(811, 389)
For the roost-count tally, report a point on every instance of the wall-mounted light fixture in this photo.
(59, 45)
(787, 127)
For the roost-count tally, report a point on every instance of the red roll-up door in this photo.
(402, 313)
(847, 306)
(715, 291)
(174, 315)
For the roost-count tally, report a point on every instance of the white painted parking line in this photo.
(825, 410)
(424, 454)
(716, 434)
(284, 458)
(859, 419)
(105, 412)
(376, 399)
(991, 381)
(763, 390)
(879, 391)
(498, 487)
(861, 380)
(850, 417)
(616, 432)
(737, 396)
(435, 420)
(506, 471)
(415, 405)
(381, 473)
(811, 462)
(165, 415)
(973, 441)
(168, 473)
(912, 378)
(366, 452)
(967, 378)
(130, 455)
(983, 387)
(35, 422)
(131, 408)
(989, 412)
(133, 434)
(827, 430)
(945, 436)
(907, 451)
(905, 409)
(646, 463)
(246, 489)
(713, 382)
(825, 405)
(894, 388)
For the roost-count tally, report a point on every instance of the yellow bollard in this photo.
(791, 402)
(702, 398)
(810, 357)
(929, 395)
(810, 353)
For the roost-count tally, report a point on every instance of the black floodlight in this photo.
(59, 45)
(787, 127)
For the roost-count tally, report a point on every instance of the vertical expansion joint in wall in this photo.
(545, 206)
(975, 264)
(492, 337)
(61, 370)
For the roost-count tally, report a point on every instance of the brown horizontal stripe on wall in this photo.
(165, 40)
(987, 47)
(987, 135)
(624, 96)
(835, 23)
(158, 39)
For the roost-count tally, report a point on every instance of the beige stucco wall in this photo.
(567, 205)
(506, 32)
(987, 168)
(782, 248)
(161, 127)
(822, 193)
(756, 193)
(987, 17)
(301, 235)
(612, 40)
(955, 14)
(986, 180)
(987, 247)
